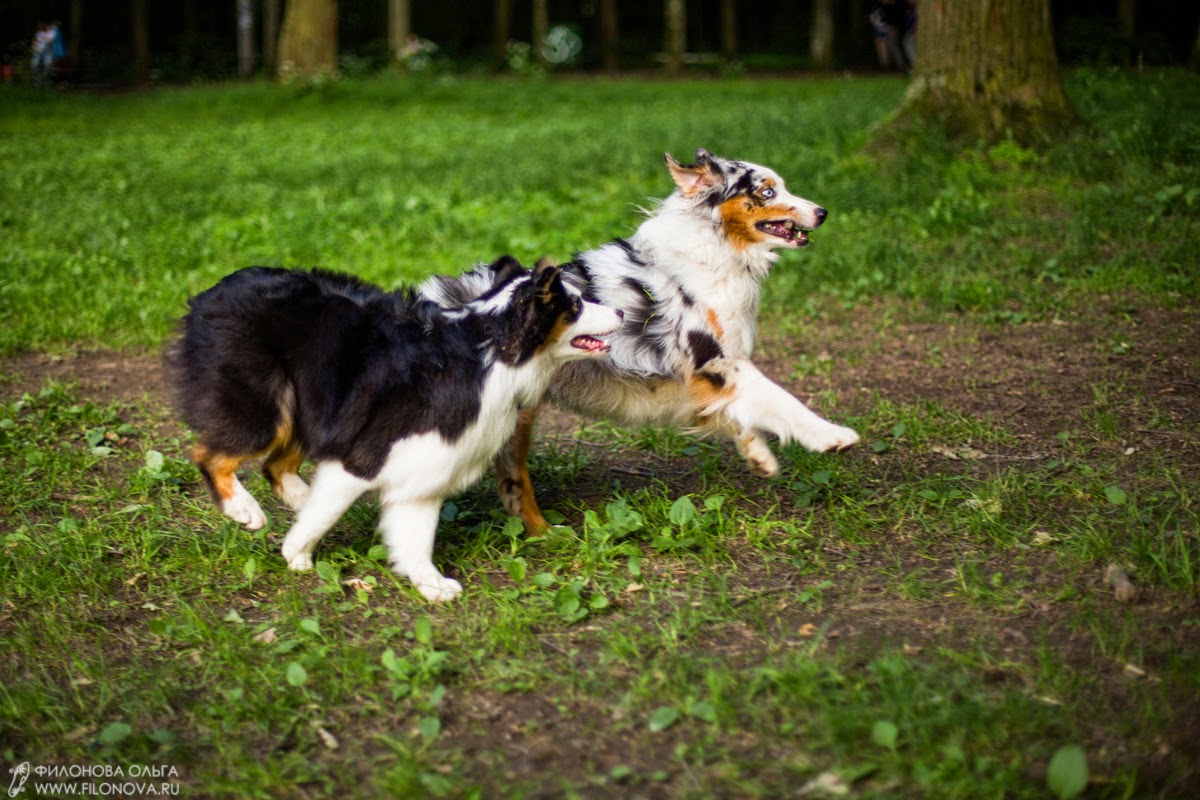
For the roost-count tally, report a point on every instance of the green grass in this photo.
(925, 616)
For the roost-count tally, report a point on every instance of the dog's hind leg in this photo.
(282, 469)
(333, 491)
(220, 473)
(512, 476)
(751, 445)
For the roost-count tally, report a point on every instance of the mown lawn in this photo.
(1014, 332)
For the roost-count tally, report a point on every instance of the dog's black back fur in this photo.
(349, 368)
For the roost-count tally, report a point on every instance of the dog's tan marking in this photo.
(561, 325)
(514, 484)
(283, 459)
(219, 470)
(739, 215)
(715, 324)
(707, 390)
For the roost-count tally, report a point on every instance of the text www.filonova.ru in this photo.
(94, 780)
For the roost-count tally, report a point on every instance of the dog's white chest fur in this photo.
(427, 465)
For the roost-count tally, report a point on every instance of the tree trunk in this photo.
(676, 34)
(609, 34)
(820, 44)
(858, 28)
(541, 25)
(986, 70)
(399, 27)
(270, 29)
(729, 31)
(1194, 58)
(1127, 21)
(245, 37)
(501, 11)
(190, 34)
(308, 43)
(75, 20)
(1127, 17)
(141, 43)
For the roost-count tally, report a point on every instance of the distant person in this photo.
(43, 53)
(888, 22)
(58, 49)
(876, 18)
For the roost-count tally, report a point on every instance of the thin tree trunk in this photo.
(1127, 17)
(141, 43)
(820, 45)
(1127, 20)
(270, 29)
(75, 20)
(858, 27)
(676, 34)
(609, 34)
(988, 70)
(308, 42)
(541, 25)
(1194, 58)
(729, 30)
(190, 35)
(399, 27)
(245, 37)
(501, 12)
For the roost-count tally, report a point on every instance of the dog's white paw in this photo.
(829, 439)
(297, 558)
(301, 562)
(293, 491)
(759, 458)
(438, 588)
(244, 509)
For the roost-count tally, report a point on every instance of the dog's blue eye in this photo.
(768, 193)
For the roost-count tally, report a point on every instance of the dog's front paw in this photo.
(297, 558)
(438, 588)
(830, 439)
(244, 509)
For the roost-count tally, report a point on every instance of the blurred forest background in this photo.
(122, 42)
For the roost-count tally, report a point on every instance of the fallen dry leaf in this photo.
(634, 587)
(266, 637)
(807, 629)
(327, 739)
(827, 782)
(358, 583)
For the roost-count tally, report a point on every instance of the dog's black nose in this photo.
(821, 214)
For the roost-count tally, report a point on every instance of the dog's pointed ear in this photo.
(545, 275)
(693, 178)
(703, 156)
(504, 268)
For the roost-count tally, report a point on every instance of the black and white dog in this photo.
(689, 282)
(382, 390)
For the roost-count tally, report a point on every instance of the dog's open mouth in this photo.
(784, 229)
(589, 344)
